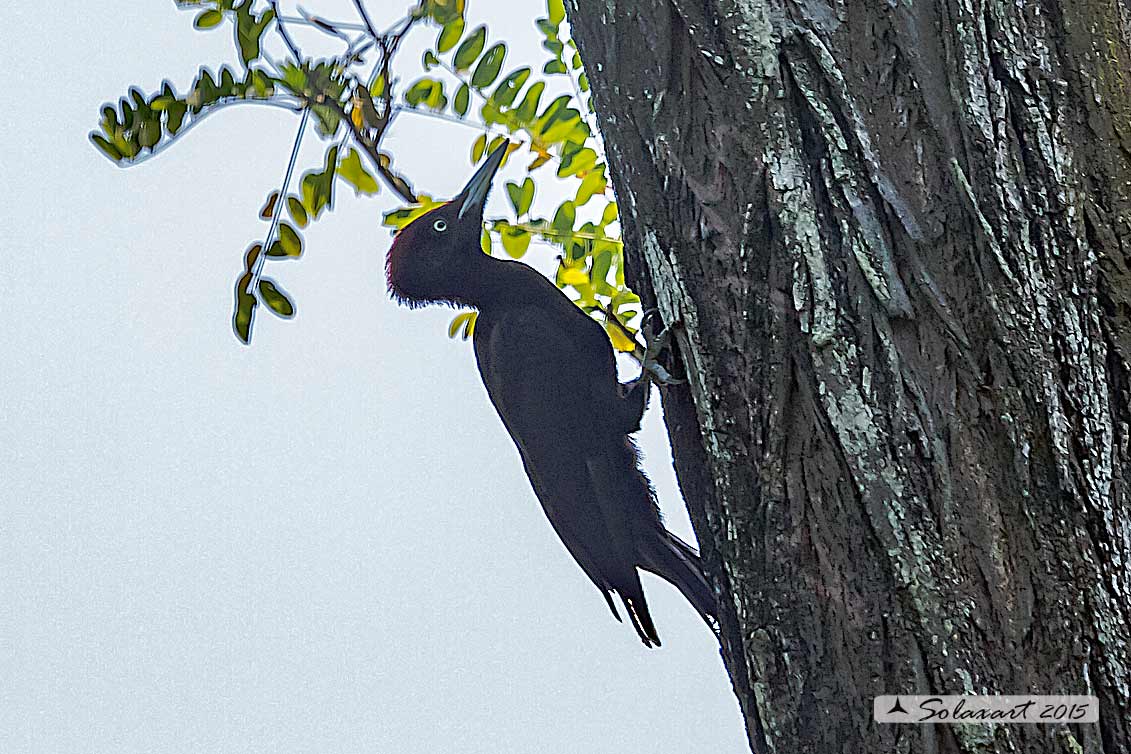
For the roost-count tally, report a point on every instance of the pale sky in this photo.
(321, 543)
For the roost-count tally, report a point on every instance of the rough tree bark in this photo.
(898, 235)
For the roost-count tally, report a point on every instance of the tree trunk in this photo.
(898, 236)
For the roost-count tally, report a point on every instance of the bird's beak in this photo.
(474, 194)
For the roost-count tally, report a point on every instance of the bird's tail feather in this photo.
(637, 608)
(677, 562)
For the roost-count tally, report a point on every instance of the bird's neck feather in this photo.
(474, 280)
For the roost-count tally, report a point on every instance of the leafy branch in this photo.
(354, 104)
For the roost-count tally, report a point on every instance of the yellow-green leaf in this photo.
(478, 148)
(289, 243)
(245, 309)
(275, 299)
(399, 218)
(609, 214)
(621, 342)
(107, 148)
(465, 322)
(593, 183)
(298, 212)
(564, 219)
(354, 173)
(450, 34)
(573, 276)
(515, 241)
(470, 48)
(208, 19)
(556, 11)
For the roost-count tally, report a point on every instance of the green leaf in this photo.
(553, 111)
(556, 11)
(601, 264)
(174, 117)
(148, 134)
(470, 48)
(564, 219)
(298, 212)
(430, 60)
(555, 66)
(275, 299)
(527, 111)
(428, 92)
(489, 66)
(249, 30)
(609, 214)
(318, 186)
(515, 241)
(436, 98)
(245, 309)
(576, 160)
(506, 92)
(208, 19)
(354, 173)
(514, 193)
(521, 196)
(463, 100)
(478, 148)
(527, 194)
(592, 184)
(440, 11)
(107, 148)
(450, 34)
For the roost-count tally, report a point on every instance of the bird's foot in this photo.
(654, 345)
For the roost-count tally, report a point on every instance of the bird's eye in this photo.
(440, 226)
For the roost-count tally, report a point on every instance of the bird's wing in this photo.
(549, 372)
(552, 378)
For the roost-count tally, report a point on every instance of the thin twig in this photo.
(394, 181)
(325, 26)
(365, 17)
(549, 233)
(299, 21)
(257, 273)
(280, 24)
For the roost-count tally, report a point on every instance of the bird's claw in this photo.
(654, 346)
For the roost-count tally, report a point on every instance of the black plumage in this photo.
(550, 372)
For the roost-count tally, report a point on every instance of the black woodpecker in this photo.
(550, 373)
